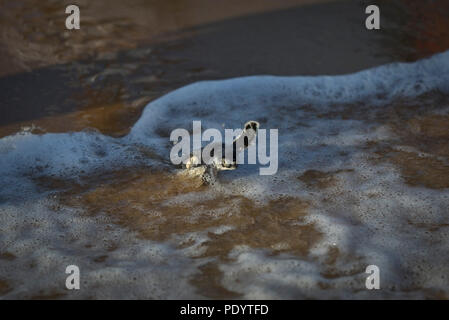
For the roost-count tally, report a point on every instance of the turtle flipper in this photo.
(210, 175)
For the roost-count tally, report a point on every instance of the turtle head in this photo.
(251, 125)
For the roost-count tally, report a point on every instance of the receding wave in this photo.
(363, 179)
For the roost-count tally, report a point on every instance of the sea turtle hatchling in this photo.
(208, 171)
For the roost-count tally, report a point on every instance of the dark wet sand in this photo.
(126, 55)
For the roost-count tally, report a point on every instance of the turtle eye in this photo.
(248, 126)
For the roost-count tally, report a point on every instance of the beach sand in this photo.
(124, 56)
(363, 173)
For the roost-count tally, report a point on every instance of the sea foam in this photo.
(366, 215)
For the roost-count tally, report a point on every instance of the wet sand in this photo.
(125, 56)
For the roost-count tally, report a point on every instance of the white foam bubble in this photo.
(371, 217)
(279, 100)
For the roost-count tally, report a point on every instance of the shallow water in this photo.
(363, 179)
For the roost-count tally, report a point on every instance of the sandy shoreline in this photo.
(363, 172)
(103, 75)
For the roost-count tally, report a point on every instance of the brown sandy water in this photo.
(139, 201)
(101, 77)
